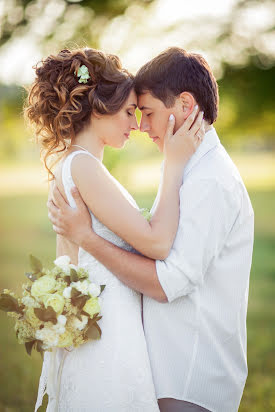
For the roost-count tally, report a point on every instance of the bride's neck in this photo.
(91, 142)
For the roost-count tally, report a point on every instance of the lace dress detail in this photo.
(113, 373)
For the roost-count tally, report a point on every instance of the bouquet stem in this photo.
(59, 379)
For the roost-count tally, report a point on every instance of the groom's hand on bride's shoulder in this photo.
(72, 223)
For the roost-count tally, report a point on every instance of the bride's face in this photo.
(114, 130)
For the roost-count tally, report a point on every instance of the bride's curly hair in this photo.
(59, 107)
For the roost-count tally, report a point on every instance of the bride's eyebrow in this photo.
(133, 104)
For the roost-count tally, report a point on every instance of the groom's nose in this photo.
(144, 125)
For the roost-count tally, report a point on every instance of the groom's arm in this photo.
(136, 271)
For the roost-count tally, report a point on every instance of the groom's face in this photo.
(155, 117)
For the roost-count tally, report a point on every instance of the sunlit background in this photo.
(237, 38)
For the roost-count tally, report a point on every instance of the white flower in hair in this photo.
(83, 74)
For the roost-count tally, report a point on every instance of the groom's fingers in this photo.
(52, 211)
(58, 199)
(78, 199)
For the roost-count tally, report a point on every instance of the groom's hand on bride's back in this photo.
(72, 223)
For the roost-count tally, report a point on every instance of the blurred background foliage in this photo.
(237, 37)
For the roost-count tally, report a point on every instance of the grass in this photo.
(24, 229)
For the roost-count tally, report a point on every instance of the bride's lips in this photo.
(126, 135)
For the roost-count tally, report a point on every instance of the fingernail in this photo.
(196, 107)
(171, 117)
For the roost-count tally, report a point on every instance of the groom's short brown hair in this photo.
(175, 71)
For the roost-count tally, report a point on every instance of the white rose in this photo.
(48, 335)
(80, 324)
(63, 262)
(67, 292)
(82, 287)
(62, 320)
(42, 286)
(30, 302)
(94, 290)
(54, 300)
(59, 328)
(72, 266)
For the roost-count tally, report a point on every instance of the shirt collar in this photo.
(210, 141)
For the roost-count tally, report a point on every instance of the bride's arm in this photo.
(101, 194)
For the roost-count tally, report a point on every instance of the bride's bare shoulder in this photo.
(58, 178)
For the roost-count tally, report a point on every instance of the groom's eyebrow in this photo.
(144, 108)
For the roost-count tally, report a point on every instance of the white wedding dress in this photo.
(113, 373)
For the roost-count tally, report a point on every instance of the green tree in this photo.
(63, 20)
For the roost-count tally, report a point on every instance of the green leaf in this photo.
(31, 276)
(29, 346)
(80, 301)
(78, 315)
(102, 287)
(73, 275)
(9, 304)
(93, 332)
(94, 319)
(36, 265)
(75, 293)
(38, 347)
(46, 315)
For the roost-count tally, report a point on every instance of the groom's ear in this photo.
(187, 103)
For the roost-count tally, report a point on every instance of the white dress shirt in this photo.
(197, 341)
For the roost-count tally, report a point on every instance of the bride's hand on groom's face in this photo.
(180, 146)
(73, 224)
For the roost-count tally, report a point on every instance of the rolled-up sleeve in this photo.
(207, 213)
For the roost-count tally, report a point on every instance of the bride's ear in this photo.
(187, 103)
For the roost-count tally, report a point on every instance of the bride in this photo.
(81, 101)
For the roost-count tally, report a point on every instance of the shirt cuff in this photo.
(173, 281)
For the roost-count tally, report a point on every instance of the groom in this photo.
(195, 301)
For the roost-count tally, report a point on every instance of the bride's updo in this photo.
(59, 107)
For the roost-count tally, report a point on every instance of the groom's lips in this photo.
(154, 138)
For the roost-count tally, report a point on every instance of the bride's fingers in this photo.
(200, 134)
(170, 127)
(190, 119)
(197, 124)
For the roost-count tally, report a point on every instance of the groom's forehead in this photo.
(147, 101)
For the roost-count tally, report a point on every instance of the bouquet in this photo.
(59, 307)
